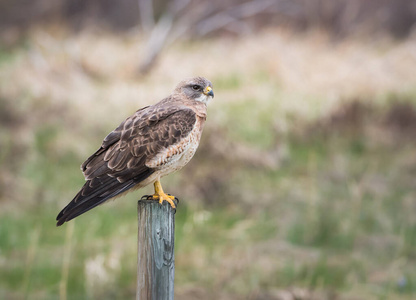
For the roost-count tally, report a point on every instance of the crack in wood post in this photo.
(156, 259)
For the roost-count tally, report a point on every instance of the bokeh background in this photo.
(304, 183)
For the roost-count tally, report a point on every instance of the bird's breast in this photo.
(179, 154)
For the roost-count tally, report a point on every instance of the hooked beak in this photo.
(208, 91)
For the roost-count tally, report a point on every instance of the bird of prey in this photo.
(155, 141)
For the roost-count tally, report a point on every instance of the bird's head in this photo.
(198, 88)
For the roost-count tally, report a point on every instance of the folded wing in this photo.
(120, 163)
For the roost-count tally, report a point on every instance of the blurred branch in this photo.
(160, 32)
(198, 20)
(146, 14)
(177, 6)
(233, 14)
(156, 42)
(349, 19)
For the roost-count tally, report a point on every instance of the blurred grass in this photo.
(288, 191)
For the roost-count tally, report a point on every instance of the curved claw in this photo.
(161, 195)
(164, 197)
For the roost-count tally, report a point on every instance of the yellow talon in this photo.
(161, 195)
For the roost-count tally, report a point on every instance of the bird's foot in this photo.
(162, 197)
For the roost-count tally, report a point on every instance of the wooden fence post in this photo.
(156, 260)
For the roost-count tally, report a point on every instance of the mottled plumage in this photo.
(152, 143)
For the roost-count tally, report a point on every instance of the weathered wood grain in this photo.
(156, 260)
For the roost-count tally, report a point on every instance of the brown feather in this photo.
(120, 163)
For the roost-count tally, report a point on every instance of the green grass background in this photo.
(324, 203)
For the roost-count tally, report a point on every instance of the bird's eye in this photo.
(195, 87)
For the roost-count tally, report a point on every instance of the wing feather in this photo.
(120, 162)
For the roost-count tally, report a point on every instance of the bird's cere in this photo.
(208, 91)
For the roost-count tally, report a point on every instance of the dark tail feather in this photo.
(89, 196)
(74, 209)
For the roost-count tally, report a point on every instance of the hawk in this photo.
(155, 141)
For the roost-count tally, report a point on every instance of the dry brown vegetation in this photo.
(302, 187)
